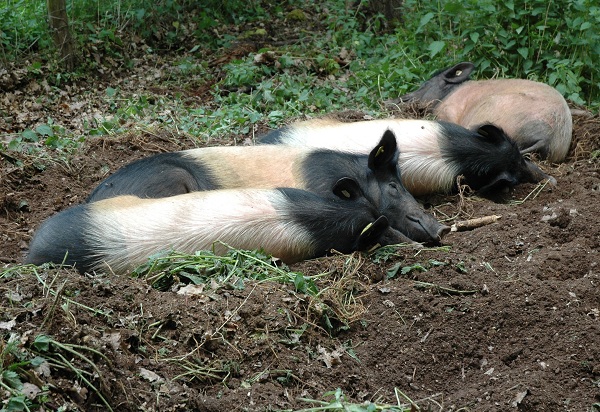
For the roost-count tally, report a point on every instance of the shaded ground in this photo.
(507, 319)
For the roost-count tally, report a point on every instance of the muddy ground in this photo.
(506, 318)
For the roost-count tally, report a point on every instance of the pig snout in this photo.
(425, 229)
(533, 174)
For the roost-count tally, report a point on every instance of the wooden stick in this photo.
(471, 224)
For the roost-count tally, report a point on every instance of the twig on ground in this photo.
(471, 224)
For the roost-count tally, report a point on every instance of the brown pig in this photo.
(533, 114)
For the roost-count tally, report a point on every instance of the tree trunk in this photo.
(59, 28)
(391, 9)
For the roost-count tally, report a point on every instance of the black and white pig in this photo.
(535, 115)
(315, 170)
(432, 153)
(121, 233)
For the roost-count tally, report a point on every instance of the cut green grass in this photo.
(533, 194)
(55, 352)
(337, 401)
(230, 270)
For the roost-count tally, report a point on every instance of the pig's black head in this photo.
(380, 182)
(386, 190)
(490, 161)
(440, 85)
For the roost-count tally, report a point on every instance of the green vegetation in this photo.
(22, 357)
(62, 356)
(108, 25)
(338, 402)
(553, 42)
(22, 28)
(333, 302)
(355, 65)
(231, 270)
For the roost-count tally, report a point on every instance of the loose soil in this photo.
(508, 318)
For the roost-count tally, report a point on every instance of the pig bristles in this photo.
(471, 224)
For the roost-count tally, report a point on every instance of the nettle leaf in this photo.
(523, 51)
(42, 343)
(29, 135)
(276, 115)
(44, 130)
(424, 20)
(37, 361)
(434, 262)
(16, 404)
(460, 266)
(393, 271)
(416, 267)
(436, 47)
(12, 379)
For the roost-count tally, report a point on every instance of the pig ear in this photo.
(385, 153)
(347, 188)
(371, 234)
(492, 133)
(459, 73)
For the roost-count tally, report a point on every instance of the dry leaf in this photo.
(192, 290)
(150, 376)
(8, 325)
(519, 398)
(330, 358)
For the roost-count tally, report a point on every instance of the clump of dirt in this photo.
(507, 318)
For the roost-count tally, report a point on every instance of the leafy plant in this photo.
(55, 351)
(15, 361)
(554, 42)
(338, 401)
(351, 66)
(47, 135)
(232, 269)
(21, 28)
(10, 381)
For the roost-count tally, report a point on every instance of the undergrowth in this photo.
(554, 42)
(354, 64)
